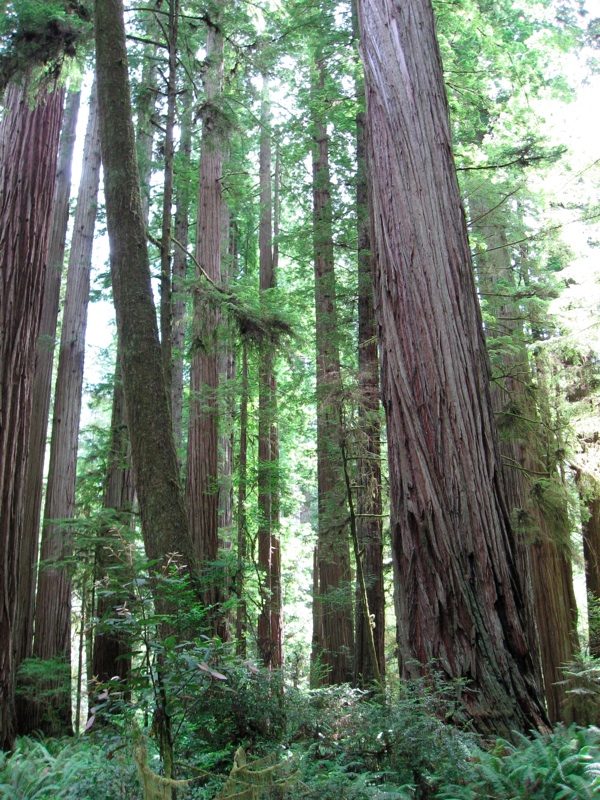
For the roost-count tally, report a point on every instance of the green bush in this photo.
(562, 765)
(67, 770)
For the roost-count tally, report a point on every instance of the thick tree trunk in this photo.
(202, 491)
(369, 523)
(42, 386)
(112, 650)
(53, 603)
(334, 639)
(458, 595)
(544, 566)
(164, 520)
(28, 149)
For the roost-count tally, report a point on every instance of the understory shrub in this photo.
(562, 765)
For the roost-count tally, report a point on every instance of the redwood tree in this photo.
(458, 594)
(202, 453)
(42, 387)
(270, 645)
(53, 602)
(29, 139)
(332, 626)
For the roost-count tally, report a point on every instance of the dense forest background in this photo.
(299, 447)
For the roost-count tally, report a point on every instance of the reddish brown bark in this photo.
(333, 647)
(53, 603)
(458, 596)
(166, 308)
(591, 554)
(544, 565)
(179, 274)
(242, 522)
(202, 491)
(369, 523)
(269, 621)
(42, 386)
(28, 149)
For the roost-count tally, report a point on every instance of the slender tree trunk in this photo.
(242, 522)
(202, 454)
(458, 595)
(112, 648)
(179, 274)
(369, 523)
(53, 604)
(276, 621)
(591, 555)
(269, 637)
(145, 113)
(42, 386)
(334, 646)
(227, 397)
(164, 521)
(28, 150)
(166, 308)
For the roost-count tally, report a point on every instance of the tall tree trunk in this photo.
(179, 274)
(242, 521)
(269, 646)
(334, 645)
(276, 603)
(112, 648)
(550, 608)
(227, 398)
(53, 603)
(28, 149)
(42, 386)
(202, 454)
(145, 117)
(369, 521)
(164, 520)
(166, 309)
(458, 594)
(591, 554)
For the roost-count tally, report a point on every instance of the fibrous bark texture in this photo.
(53, 603)
(369, 523)
(544, 562)
(163, 516)
(42, 386)
(333, 646)
(458, 596)
(270, 645)
(179, 273)
(202, 491)
(591, 554)
(28, 149)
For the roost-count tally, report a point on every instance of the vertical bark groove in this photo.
(458, 595)
(29, 140)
